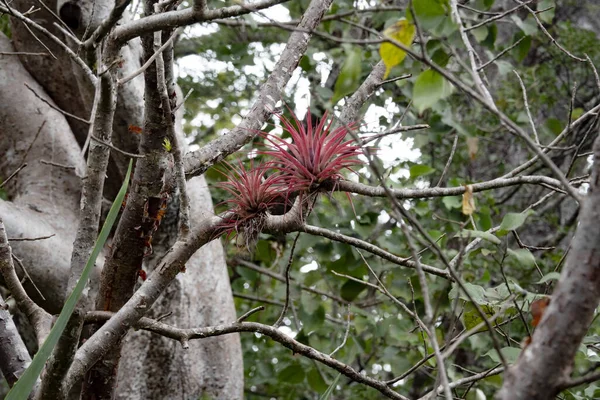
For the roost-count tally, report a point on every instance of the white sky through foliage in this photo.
(390, 149)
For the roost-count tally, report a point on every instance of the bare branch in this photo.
(88, 72)
(184, 17)
(361, 244)
(13, 353)
(547, 359)
(39, 319)
(272, 332)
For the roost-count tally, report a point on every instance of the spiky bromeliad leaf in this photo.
(25, 384)
(316, 155)
(253, 194)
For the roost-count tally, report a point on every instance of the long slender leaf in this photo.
(24, 385)
(330, 389)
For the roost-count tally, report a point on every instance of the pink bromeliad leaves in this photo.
(315, 156)
(252, 193)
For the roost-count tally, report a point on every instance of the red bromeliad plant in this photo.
(253, 195)
(315, 156)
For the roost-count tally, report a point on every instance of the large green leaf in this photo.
(467, 233)
(430, 13)
(511, 354)
(523, 256)
(430, 87)
(349, 78)
(25, 384)
(512, 221)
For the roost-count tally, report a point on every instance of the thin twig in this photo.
(496, 17)
(246, 315)
(18, 260)
(22, 53)
(526, 103)
(33, 142)
(12, 175)
(54, 164)
(85, 121)
(449, 162)
(31, 239)
(503, 52)
(287, 283)
(88, 72)
(110, 146)
(345, 334)
(152, 58)
(182, 101)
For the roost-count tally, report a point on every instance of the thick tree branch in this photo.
(198, 162)
(89, 220)
(186, 16)
(378, 191)
(544, 366)
(39, 319)
(13, 353)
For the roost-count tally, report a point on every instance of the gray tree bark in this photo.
(44, 200)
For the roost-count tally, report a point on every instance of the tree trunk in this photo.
(44, 201)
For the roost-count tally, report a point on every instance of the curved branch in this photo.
(184, 335)
(361, 244)
(39, 319)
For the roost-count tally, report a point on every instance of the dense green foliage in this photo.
(519, 258)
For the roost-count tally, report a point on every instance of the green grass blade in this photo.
(24, 385)
(330, 389)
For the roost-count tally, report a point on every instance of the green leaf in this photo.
(480, 33)
(349, 78)
(351, 289)
(167, 145)
(430, 13)
(529, 26)
(548, 15)
(477, 293)
(420, 170)
(522, 49)
(293, 374)
(471, 317)
(429, 88)
(331, 388)
(451, 202)
(403, 32)
(552, 276)
(511, 354)
(315, 380)
(523, 256)
(25, 384)
(512, 221)
(467, 233)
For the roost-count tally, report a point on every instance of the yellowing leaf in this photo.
(403, 32)
(468, 203)
(473, 146)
